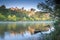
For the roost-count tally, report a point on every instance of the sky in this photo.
(27, 4)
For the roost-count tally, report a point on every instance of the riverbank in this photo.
(27, 22)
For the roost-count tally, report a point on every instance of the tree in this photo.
(14, 17)
(53, 7)
(50, 6)
(9, 17)
(32, 9)
(2, 17)
(2, 7)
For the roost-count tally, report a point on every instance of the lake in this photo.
(22, 30)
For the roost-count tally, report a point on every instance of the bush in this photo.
(11, 18)
(2, 17)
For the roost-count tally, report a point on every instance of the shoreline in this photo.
(27, 22)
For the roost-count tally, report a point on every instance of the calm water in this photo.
(18, 31)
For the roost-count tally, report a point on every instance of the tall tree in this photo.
(52, 6)
(2, 7)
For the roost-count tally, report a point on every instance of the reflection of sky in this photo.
(21, 3)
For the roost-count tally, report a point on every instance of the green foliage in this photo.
(24, 18)
(2, 17)
(14, 17)
(11, 18)
(20, 15)
(55, 13)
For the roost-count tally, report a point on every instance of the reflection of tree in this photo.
(11, 26)
(15, 28)
(2, 29)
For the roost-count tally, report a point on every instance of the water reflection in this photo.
(14, 29)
